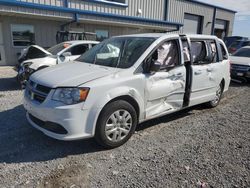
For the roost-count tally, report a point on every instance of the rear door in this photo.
(202, 87)
(216, 66)
(164, 91)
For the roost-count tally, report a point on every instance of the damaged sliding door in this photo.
(165, 89)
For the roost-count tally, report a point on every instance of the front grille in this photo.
(50, 126)
(43, 89)
(241, 68)
(36, 92)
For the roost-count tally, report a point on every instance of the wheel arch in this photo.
(128, 99)
(129, 95)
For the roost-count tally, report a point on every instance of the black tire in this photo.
(105, 116)
(216, 101)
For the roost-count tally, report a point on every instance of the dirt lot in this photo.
(197, 147)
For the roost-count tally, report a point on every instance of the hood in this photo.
(41, 49)
(240, 60)
(71, 74)
(31, 52)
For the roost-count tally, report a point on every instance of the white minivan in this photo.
(124, 81)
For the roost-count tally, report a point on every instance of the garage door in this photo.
(220, 28)
(192, 24)
(220, 24)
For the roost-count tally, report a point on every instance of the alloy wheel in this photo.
(118, 125)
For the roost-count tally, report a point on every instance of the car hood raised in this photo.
(240, 60)
(71, 74)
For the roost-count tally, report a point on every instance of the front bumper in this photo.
(240, 71)
(23, 74)
(237, 73)
(72, 118)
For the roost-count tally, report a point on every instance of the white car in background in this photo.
(38, 58)
(240, 64)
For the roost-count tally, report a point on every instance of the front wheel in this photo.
(116, 124)
(215, 102)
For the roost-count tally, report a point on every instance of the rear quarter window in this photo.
(223, 52)
(213, 50)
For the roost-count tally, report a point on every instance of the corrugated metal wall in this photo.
(150, 9)
(46, 2)
(153, 9)
(24, 12)
(177, 8)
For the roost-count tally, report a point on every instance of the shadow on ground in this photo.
(9, 84)
(235, 84)
(22, 143)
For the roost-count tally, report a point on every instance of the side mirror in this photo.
(151, 65)
(65, 54)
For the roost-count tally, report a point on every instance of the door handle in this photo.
(198, 72)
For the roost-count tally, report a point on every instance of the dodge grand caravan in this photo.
(124, 81)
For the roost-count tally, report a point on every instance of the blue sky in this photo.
(242, 19)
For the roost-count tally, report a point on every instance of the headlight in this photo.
(70, 95)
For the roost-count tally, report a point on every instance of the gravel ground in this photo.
(197, 147)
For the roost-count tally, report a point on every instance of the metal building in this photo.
(23, 22)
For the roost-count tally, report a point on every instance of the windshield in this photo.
(120, 52)
(54, 50)
(243, 52)
(235, 44)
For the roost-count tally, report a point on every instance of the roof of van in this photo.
(158, 35)
(81, 42)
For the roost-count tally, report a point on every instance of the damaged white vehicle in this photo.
(35, 58)
(124, 81)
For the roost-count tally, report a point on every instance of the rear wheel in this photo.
(215, 102)
(116, 124)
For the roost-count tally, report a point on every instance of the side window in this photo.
(168, 54)
(186, 52)
(199, 52)
(213, 49)
(79, 49)
(224, 52)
